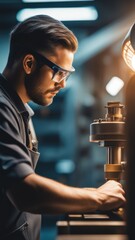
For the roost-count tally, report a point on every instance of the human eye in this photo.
(61, 73)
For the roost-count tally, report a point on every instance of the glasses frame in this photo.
(42, 60)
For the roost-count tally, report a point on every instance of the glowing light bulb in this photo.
(114, 86)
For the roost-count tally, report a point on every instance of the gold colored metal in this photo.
(110, 132)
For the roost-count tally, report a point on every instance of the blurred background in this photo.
(101, 75)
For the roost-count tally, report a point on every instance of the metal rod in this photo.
(114, 155)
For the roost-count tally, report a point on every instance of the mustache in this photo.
(56, 89)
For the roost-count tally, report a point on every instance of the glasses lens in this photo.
(61, 75)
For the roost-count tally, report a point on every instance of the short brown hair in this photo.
(40, 32)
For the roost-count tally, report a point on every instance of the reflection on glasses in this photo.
(59, 74)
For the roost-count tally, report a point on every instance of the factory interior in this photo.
(68, 153)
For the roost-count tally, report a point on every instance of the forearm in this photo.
(41, 195)
(59, 198)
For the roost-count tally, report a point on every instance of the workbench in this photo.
(92, 226)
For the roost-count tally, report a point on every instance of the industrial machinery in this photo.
(110, 132)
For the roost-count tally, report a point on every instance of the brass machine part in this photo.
(110, 132)
(113, 171)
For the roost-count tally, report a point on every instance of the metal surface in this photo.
(93, 237)
(91, 227)
(92, 223)
(110, 132)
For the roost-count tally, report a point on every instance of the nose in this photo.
(62, 84)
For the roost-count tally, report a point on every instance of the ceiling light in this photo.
(62, 14)
(114, 86)
(46, 1)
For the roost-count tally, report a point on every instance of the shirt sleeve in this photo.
(15, 160)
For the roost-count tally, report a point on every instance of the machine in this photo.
(107, 132)
(110, 132)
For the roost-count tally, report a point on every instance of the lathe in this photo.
(108, 132)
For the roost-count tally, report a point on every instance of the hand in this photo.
(112, 195)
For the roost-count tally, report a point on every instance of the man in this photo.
(40, 61)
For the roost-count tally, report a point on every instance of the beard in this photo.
(35, 92)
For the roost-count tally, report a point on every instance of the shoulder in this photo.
(8, 112)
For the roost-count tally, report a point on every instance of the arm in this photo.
(37, 194)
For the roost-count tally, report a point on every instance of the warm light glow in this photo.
(129, 55)
(114, 86)
(62, 14)
(133, 62)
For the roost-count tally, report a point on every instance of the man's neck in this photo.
(17, 81)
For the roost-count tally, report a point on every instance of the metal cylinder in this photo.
(114, 111)
(110, 132)
(114, 155)
(113, 171)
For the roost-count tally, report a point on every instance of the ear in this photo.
(28, 63)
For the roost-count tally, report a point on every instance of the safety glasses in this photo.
(59, 73)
